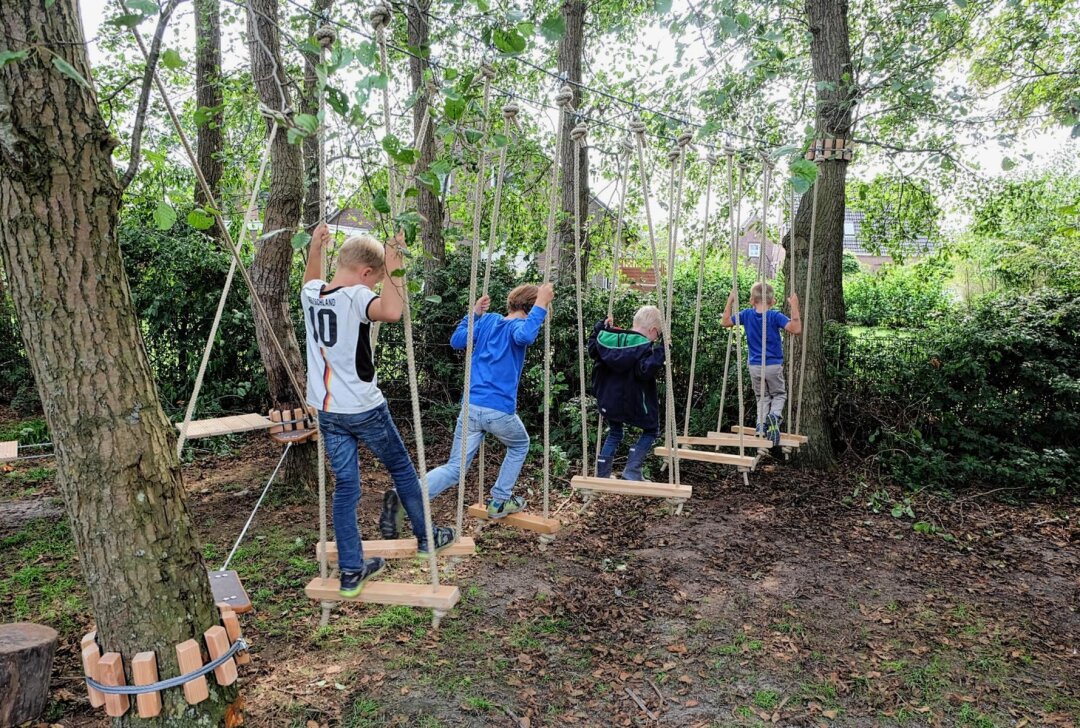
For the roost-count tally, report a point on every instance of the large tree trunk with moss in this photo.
(115, 450)
(208, 95)
(274, 256)
(571, 52)
(831, 55)
(428, 204)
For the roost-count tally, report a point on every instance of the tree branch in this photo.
(144, 95)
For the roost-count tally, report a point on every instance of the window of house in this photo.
(754, 250)
(849, 227)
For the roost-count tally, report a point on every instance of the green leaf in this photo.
(68, 70)
(498, 141)
(200, 219)
(803, 174)
(473, 136)
(1007, 164)
(398, 273)
(206, 114)
(961, 3)
(300, 240)
(380, 202)
(940, 16)
(308, 123)
(429, 180)
(7, 57)
(164, 216)
(661, 6)
(337, 100)
(171, 59)
(454, 109)
(433, 299)
(743, 20)
(146, 7)
(553, 28)
(482, 5)
(508, 41)
(411, 193)
(128, 20)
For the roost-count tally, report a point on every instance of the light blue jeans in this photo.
(511, 432)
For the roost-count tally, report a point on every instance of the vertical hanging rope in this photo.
(734, 223)
(379, 17)
(697, 301)
(638, 128)
(792, 288)
(250, 210)
(474, 267)
(729, 152)
(766, 179)
(577, 134)
(562, 100)
(806, 300)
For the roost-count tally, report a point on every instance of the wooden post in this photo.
(232, 628)
(189, 656)
(110, 671)
(26, 658)
(91, 653)
(217, 644)
(144, 672)
(275, 416)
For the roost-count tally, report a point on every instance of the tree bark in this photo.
(428, 204)
(210, 143)
(571, 52)
(115, 450)
(310, 105)
(274, 256)
(830, 52)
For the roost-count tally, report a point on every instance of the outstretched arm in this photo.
(526, 333)
(727, 323)
(319, 240)
(391, 304)
(460, 337)
(794, 324)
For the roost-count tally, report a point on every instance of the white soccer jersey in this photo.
(340, 369)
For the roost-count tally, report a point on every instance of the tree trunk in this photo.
(26, 658)
(208, 94)
(571, 51)
(428, 204)
(115, 450)
(310, 105)
(274, 256)
(831, 55)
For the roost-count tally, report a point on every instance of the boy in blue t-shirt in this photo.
(770, 403)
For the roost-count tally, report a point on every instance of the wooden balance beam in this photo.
(524, 521)
(719, 458)
(399, 548)
(631, 487)
(442, 597)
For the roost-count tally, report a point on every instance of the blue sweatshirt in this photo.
(774, 345)
(498, 355)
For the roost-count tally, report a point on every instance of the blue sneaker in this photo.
(443, 535)
(502, 509)
(772, 428)
(351, 581)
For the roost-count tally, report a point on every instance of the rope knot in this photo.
(685, 138)
(674, 154)
(487, 70)
(326, 35)
(565, 96)
(379, 16)
(510, 110)
(637, 126)
(712, 159)
(627, 145)
(729, 149)
(578, 132)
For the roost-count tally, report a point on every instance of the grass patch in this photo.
(40, 579)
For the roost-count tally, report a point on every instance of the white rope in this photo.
(194, 398)
(735, 223)
(578, 135)
(697, 303)
(766, 179)
(792, 288)
(247, 525)
(805, 307)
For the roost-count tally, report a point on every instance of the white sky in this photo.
(1044, 149)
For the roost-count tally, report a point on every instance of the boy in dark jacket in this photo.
(624, 382)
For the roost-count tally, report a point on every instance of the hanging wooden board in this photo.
(227, 589)
(720, 458)
(524, 521)
(399, 548)
(226, 425)
(426, 596)
(786, 439)
(640, 488)
(726, 439)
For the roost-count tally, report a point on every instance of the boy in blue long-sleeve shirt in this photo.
(499, 344)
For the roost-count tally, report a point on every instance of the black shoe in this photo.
(351, 581)
(392, 518)
(444, 536)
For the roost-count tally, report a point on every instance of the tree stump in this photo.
(26, 656)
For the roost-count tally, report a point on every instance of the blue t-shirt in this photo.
(774, 346)
(498, 355)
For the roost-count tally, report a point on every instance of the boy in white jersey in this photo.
(342, 385)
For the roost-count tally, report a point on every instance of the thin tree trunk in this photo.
(208, 94)
(274, 255)
(571, 51)
(115, 449)
(428, 204)
(831, 55)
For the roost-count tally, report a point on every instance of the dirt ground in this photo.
(790, 601)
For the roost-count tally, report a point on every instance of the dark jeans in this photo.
(637, 456)
(375, 429)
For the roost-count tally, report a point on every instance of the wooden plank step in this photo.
(399, 548)
(794, 440)
(524, 521)
(631, 487)
(9, 450)
(725, 439)
(227, 589)
(226, 425)
(443, 596)
(721, 458)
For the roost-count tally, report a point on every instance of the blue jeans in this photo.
(375, 429)
(511, 432)
(637, 456)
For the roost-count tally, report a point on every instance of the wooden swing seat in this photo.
(426, 596)
(786, 438)
(228, 590)
(726, 439)
(524, 521)
(399, 548)
(226, 425)
(297, 425)
(631, 487)
(9, 450)
(720, 458)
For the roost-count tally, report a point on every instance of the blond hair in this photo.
(648, 317)
(755, 294)
(362, 251)
(522, 298)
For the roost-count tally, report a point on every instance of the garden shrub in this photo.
(897, 296)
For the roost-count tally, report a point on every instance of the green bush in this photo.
(897, 296)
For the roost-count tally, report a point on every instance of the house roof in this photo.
(855, 243)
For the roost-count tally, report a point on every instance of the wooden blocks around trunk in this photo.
(91, 653)
(524, 521)
(837, 148)
(442, 597)
(189, 655)
(217, 644)
(399, 548)
(110, 671)
(232, 628)
(144, 672)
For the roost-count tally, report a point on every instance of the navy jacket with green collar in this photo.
(624, 375)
